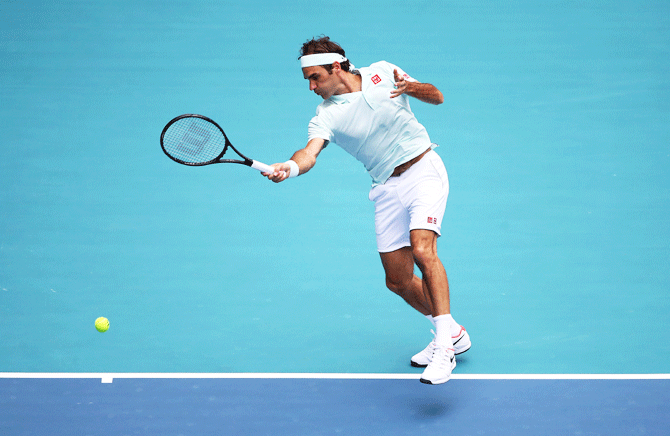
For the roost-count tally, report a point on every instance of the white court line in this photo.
(109, 377)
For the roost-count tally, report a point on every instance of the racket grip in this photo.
(261, 167)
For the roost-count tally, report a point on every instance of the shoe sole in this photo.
(428, 382)
(419, 365)
(439, 381)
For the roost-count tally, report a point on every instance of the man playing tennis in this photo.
(366, 111)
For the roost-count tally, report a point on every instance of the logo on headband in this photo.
(375, 79)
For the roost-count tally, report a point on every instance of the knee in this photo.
(424, 256)
(398, 285)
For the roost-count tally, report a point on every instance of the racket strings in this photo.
(193, 141)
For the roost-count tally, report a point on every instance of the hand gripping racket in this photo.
(196, 140)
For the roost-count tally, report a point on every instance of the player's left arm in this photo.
(423, 91)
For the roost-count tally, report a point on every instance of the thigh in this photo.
(427, 195)
(391, 218)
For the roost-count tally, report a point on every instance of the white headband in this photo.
(313, 60)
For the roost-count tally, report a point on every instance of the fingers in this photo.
(399, 89)
(280, 173)
(400, 85)
(276, 177)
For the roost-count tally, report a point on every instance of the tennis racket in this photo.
(196, 140)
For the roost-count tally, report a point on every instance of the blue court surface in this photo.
(335, 406)
(238, 306)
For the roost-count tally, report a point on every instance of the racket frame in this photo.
(218, 159)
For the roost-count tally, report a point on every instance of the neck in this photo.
(349, 83)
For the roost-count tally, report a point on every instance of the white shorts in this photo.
(414, 200)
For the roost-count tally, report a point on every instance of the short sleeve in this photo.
(318, 128)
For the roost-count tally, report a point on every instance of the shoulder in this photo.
(383, 66)
(380, 69)
(385, 70)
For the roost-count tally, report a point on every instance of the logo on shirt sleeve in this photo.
(375, 79)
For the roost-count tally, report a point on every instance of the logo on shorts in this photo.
(375, 79)
(432, 220)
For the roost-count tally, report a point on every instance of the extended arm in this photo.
(305, 158)
(422, 91)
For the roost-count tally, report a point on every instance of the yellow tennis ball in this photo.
(102, 324)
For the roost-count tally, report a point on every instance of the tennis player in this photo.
(366, 111)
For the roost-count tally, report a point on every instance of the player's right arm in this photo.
(305, 158)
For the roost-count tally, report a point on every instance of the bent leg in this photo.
(400, 278)
(424, 252)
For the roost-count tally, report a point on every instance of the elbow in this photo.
(439, 98)
(309, 164)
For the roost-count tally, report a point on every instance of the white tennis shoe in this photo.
(441, 364)
(461, 344)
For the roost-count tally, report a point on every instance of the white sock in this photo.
(430, 318)
(443, 330)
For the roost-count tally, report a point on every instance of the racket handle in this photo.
(261, 167)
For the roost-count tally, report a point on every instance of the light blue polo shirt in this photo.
(379, 131)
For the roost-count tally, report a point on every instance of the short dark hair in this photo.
(323, 44)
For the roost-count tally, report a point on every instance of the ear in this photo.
(336, 67)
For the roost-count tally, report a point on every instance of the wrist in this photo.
(295, 169)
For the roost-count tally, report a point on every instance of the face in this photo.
(321, 82)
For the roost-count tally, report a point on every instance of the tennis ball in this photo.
(102, 324)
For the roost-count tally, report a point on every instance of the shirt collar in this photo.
(345, 98)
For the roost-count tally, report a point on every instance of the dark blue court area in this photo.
(333, 407)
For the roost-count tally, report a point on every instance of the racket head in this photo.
(194, 140)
